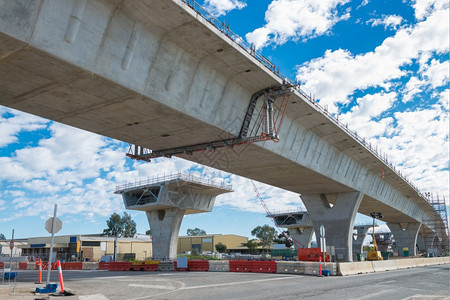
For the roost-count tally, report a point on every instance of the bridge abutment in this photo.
(405, 235)
(336, 212)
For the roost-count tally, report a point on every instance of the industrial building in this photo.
(94, 247)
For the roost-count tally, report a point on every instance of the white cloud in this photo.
(391, 21)
(12, 125)
(295, 19)
(244, 197)
(437, 73)
(339, 73)
(423, 8)
(221, 7)
(361, 116)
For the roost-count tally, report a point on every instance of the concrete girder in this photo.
(337, 219)
(405, 235)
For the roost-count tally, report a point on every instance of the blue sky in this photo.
(381, 66)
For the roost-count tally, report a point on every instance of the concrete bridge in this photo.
(158, 74)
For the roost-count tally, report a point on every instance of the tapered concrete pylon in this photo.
(337, 219)
(405, 236)
(299, 226)
(361, 233)
(166, 200)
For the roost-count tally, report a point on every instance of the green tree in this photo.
(2, 236)
(221, 248)
(148, 232)
(252, 246)
(283, 238)
(123, 226)
(265, 234)
(195, 231)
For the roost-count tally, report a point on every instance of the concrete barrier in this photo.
(406, 263)
(219, 266)
(290, 267)
(311, 268)
(165, 266)
(384, 265)
(330, 266)
(353, 268)
(90, 265)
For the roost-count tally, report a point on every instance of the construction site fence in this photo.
(252, 266)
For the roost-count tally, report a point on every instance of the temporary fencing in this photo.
(198, 265)
(119, 266)
(23, 266)
(311, 254)
(72, 266)
(240, 266)
(264, 266)
(103, 265)
(144, 265)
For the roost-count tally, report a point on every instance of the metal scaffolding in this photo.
(435, 232)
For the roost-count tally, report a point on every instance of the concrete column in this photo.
(337, 219)
(165, 225)
(405, 235)
(302, 236)
(421, 243)
(361, 233)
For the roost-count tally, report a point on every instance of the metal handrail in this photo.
(173, 177)
(250, 48)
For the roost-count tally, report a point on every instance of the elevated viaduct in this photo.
(158, 74)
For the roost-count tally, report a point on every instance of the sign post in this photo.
(53, 225)
(323, 246)
(11, 247)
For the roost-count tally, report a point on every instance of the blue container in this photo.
(326, 273)
(10, 275)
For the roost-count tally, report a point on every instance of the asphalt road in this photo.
(418, 283)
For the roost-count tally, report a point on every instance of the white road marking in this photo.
(153, 286)
(390, 281)
(235, 283)
(376, 295)
(420, 296)
(93, 297)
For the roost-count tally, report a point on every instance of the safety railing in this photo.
(250, 48)
(173, 177)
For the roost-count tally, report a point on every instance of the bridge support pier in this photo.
(165, 201)
(405, 235)
(302, 236)
(337, 219)
(421, 243)
(361, 233)
(165, 225)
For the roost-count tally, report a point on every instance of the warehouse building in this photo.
(96, 247)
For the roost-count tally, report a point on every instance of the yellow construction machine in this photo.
(375, 254)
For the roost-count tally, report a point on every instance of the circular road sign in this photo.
(49, 223)
(11, 244)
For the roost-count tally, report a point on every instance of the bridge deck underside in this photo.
(39, 83)
(45, 86)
